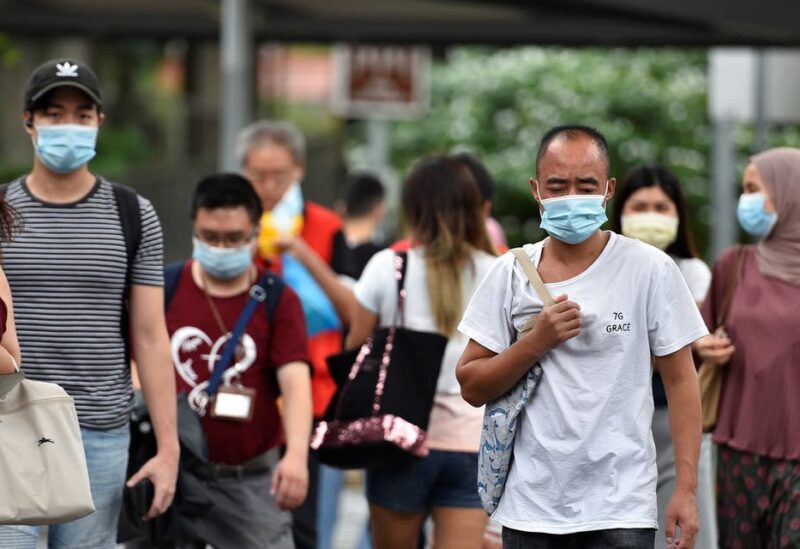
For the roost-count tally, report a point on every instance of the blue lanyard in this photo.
(258, 294)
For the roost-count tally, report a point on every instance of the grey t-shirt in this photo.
(67, 270)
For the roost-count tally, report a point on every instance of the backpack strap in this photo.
(274, 286)
(274, 291)
(172, 276)
(130, 218)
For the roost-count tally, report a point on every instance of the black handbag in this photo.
(380, 412)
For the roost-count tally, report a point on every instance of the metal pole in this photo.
(760, 100)
(378, 149)
(236, 77)
(724, 230)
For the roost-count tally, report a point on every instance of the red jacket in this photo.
(320, 226)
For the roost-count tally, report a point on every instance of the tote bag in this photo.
(712, 376)
(43, 475)
(379, 414)
(500, 415)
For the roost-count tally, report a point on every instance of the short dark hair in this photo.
(227, 190)
(45, 101)
(572, 131)
(656, 176)
(364, 193)
(479, 173)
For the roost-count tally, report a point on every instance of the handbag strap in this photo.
(535, 280)
(400, 265)
(730, 288)
(257, 296)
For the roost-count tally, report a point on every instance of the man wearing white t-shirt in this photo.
(584, 467)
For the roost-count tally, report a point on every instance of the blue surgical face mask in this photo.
(573, 218)
(754, 219)
(64, 148)
(222, 263)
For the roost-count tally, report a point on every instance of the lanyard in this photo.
(257, 296)
(217, 316)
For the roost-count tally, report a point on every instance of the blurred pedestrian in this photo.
(251, 485)
(487, 186)
(272, 155)
(86, 268)
(649, 206)
(452, 252)
(364, 208)
(584, 465)
(758, 480)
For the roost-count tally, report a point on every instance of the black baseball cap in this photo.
(61, 72)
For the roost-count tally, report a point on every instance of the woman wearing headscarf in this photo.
(758, 427)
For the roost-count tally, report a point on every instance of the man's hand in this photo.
(716, 349)
(290, 482)
(162, 472)
(555, 324)
(682, 512)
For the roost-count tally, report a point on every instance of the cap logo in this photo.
(66, 69)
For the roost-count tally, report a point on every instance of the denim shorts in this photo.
(619, 538)
(443, 479)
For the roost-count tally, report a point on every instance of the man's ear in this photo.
(535, 189)
(612, 185)
(100, 119)
(27, 119)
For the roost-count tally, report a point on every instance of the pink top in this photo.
(759, 409)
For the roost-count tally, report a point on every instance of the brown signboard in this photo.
(381, 81)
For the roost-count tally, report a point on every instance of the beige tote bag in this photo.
(43, 475)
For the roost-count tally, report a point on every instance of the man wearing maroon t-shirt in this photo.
(251, 486)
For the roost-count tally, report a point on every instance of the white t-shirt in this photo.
(377, 292)
(697, 276)
(584, 457)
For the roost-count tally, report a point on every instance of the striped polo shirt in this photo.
(67, 270)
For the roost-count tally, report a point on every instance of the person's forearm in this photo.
(154, 367)
(484, 379)
(340, 295)
(685, 420)
(297, 417)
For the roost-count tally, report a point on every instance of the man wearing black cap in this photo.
(86, 269)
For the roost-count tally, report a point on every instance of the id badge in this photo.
(233, 402)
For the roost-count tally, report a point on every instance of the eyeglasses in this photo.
(225, 240)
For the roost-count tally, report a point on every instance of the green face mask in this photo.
(656, 229)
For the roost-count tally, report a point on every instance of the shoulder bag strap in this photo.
(400, 267)
(730, 288)
(258, 295)
(536, 281)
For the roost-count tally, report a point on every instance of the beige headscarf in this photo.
(779, 253)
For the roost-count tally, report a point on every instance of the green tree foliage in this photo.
(651, 105)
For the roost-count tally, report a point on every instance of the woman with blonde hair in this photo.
(450, 254)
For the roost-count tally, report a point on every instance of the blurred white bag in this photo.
(43, 475)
